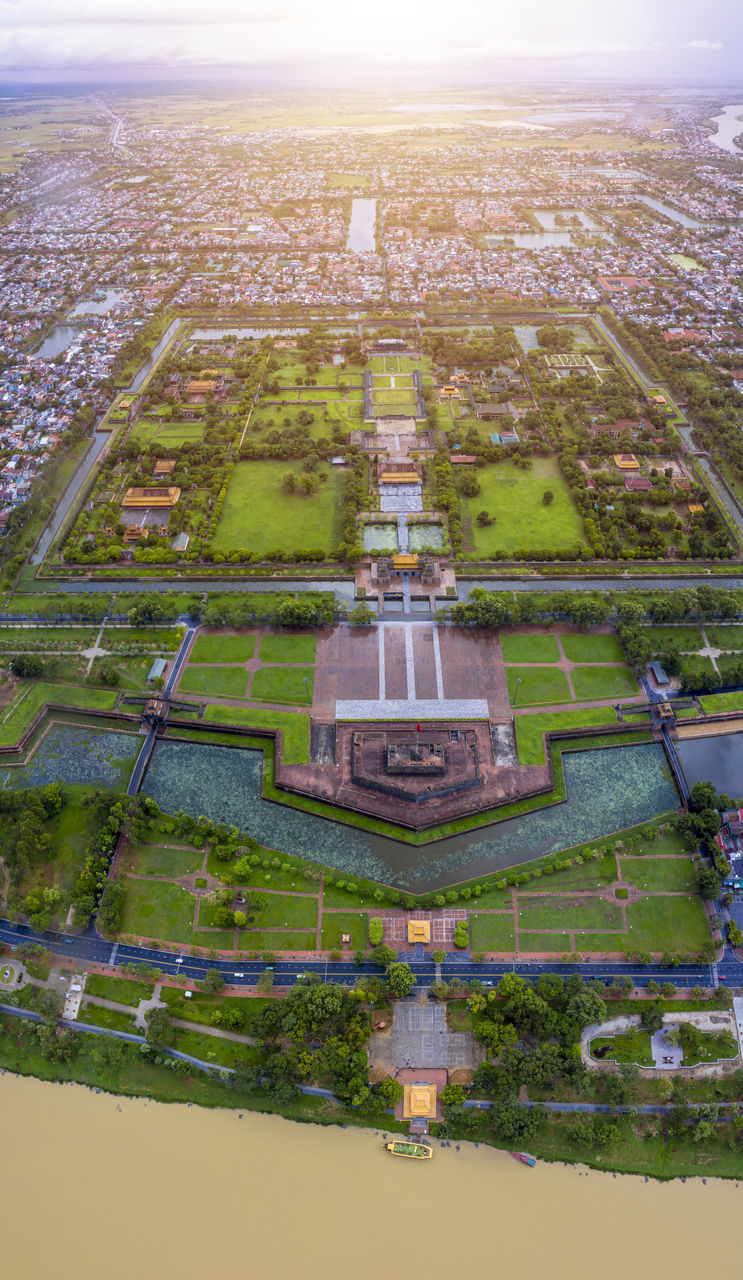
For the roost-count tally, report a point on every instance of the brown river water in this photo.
(97, 1186)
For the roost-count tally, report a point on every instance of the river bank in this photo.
(642, 1144)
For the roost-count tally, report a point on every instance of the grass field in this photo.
(725, 637)
(160, 860)
(657, 924)
(491, 932)
(30, 697)
(221, 648)
(518, 647)
(123, 990)
(530, 729)
(552, 942)
(260, 516)
(283, 684)
(215, 682)
(634, 1046)
(287, 940)
(153, 910)
(18, 639)
(353, 922)
(580, 648)
(287, 648)
(294, 725)
(286, 911)
(658, 875)
(686, 639)
(568, 913)
(536, 686)
(603, 682)
(522, 522)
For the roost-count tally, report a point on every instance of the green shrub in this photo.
(376, 931)
(622, 893)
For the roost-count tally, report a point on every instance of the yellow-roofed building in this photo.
(626, 461)
(399, 477)
(419, 930)
(403, 562)
(151, 497)
(419, 1102)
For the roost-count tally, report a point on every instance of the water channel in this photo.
(94, 1183)
(606, 791)
(668, 210)
(363, 225)
(729, 126)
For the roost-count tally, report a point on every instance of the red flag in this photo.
(419, 728)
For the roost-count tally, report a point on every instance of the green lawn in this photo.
(715, 702)
(288, 648)
(491, 932)
(568, 913)
(658, 875)
(295, 727)
(259, 516)
(553, 942)
(157, 910)
(536, 686)
(199, 1044)
(658, 924)
(160, 860)
(579, 648)
(589, 875)
(123, 990)
(518, 647)
(222, 648)
(725, 637)
(513, 498)
(285, 940)
(112, 1019)
(283, 684)
(215, 682)
(133, 672)
(530, 729)
(285, 911)
(353, 922)
(603, 682)
(686, 639)
(20, 638)
(633, 1046)
(31, 695)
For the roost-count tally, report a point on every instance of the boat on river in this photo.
(524, 1157)
(413, 1150)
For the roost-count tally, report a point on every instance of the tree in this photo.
(383, 955)
(548, 497)
(265, 981)
(361, 615)
(212, 982)
(159, 1028)
(295, 613)
(26, 665)
(401, 979)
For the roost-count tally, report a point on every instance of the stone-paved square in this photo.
(419, 1037)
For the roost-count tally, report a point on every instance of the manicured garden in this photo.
(216, 647)
(518, 646)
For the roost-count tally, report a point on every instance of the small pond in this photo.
(717, 759)
(607, 790)
(381, 537)
(77, 753)
(426, 535)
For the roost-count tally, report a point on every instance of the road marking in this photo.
(382, 677)
(437, 663)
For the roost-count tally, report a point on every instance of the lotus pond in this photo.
(607, 790)
(78, 753)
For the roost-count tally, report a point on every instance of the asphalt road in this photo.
(92, 949)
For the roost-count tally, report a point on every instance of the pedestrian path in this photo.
(412, 709)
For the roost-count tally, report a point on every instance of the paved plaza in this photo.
(420, 1038)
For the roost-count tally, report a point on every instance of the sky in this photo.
(342, 41)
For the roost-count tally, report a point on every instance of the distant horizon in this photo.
(329, 43)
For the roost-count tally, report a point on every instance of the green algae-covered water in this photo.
(607, 790)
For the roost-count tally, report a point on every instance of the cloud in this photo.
(704, 44)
